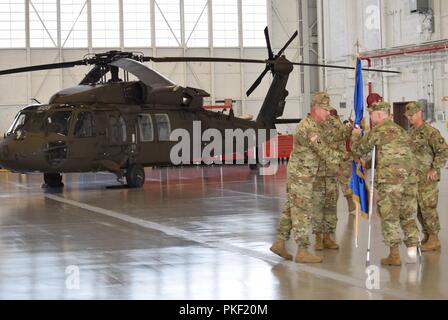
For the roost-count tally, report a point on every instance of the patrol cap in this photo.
(380, 106)
(412, 108)
(322, 100)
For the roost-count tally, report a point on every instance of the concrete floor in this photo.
(190, 233)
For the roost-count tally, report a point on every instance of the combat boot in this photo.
(394, 257)
(433, 243)
(279, 249)
(319, 246)
(303, 256)
(351, 205)
(329, 243)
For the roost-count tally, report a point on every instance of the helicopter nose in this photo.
(4, 155)
(22, 155)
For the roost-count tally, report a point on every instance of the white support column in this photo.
(59, 42)
(302, 8)
(28, 50)
(183, 39)
(58, 23)
(89, 25)
(121, 22)
(241, 44)
(269, 13)
(212, 52)
(326, 41)
(320, 44)
(153, 31)
(438, 24)
(352, 36)
(384, 45)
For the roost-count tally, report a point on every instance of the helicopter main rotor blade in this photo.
(60, 65)
(288, 43)
(342, 67)
(70, 64)
(268, 43)
(234, 60)
(202, 59)
(257, 82)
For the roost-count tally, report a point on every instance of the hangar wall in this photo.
(369, 25)
(220, 80)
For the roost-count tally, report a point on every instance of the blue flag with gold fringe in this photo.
(358, 182)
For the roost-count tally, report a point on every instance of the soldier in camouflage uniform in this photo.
(395, 181)
(344, 175)
(309, 149)
(341, 133)
(326, 192)
(431, 151)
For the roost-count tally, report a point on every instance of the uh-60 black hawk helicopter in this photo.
(107, 124)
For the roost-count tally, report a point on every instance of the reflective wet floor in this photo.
(190, 233)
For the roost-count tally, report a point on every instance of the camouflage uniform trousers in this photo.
(397, 205)
(427, 197)
(325, 198)
(297, 213)
(344, 175)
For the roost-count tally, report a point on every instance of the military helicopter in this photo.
(121, 126)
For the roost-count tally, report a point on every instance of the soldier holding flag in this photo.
(395, 182)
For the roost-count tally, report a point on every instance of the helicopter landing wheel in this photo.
(135, 175)
(53, 180)
(256, 165)
(253, 167)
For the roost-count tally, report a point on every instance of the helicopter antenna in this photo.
(35, 100)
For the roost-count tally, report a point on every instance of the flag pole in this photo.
(372, 190)
(357, 225)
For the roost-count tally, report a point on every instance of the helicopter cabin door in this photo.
(82, 144)
(113, 145)
(57, 127)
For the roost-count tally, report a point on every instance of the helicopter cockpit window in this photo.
(84, 125)
(163, 127)
(29, 121)
(117, 129)
(58, 122)
(19, 122)
(146, 128)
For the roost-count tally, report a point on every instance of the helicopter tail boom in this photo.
(274, 103)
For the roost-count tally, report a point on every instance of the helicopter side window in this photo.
(163, 127)
(117, 129)
(58, 122)
(122, 123)
(146, 128)
(84, 125)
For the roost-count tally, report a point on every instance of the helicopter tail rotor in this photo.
(270, 63)
(268, 43)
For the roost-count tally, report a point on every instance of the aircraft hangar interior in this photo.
(223, 150)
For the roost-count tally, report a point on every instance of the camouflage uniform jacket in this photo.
(335, 133)
(395, 160)
(430, 148)
(307, 155)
